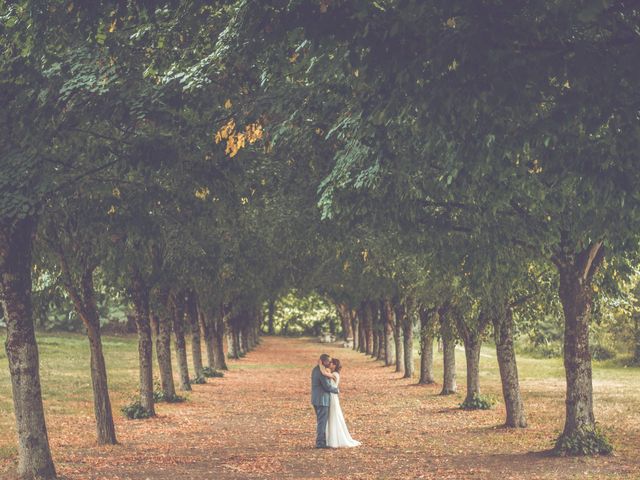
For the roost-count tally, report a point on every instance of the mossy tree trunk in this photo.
(471, 332)
(177, 307)
(355, 328)
(140, 297)
(34, 454)
(218, 325)
(576, 294)
(502, 319)
(428, 319)
(447, 335)
(386, 310)
(407, 336)
(399, 319)
(196, 342)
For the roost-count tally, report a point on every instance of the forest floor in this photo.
(257, 422)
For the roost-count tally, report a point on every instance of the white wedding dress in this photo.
(337, 432)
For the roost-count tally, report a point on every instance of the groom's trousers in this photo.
(322, 414)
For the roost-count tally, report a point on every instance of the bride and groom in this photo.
(332, 430)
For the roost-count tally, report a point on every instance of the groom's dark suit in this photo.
(320, 399)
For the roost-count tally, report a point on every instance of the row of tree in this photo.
(385, 329)
(469, 164)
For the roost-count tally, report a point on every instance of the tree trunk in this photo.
(400, 314)
(84, 301)
(368, 327)
(34, 455)
(387, 311)
(472, 339)
(237, 346)
(231, 346)
(636, 331)
(407, 334)
(140, 296)
(381, 345)
(376, 343)
(220, 361)
(378, 330)
(270, 317)
(427, 321)
(181, 347)
(472, 356)
(102, 404)
(355, 328)
(345, 320)
(503, 335)
(196, 344)
(576, 295)
(362, 343)
(244, 340)
(209, 339)
(448, 353)
(163, 352)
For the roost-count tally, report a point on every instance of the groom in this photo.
(320, 397)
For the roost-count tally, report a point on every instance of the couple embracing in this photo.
(332, 430)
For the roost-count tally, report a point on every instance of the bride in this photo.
(337, 432)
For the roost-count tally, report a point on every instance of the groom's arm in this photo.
(326, 385)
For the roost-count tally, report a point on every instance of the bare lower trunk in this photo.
(471, 332)
(140, 295)
(220, 361)
(163, 352)
(448, 354)
(400, 313)
(367, 316)
(207, 334)
(344, 312)
(375, 350)
(636, 331)
(576, 295)
(388, 333)
(231, 346)
(181, 347)
(84, 300)
(381, 345)
(427, 322)
(355, 328)
(196, 345)
(270, 317)
(244, 340)
(237, 346)
(503, 335)
(362, 342)
(34, 455)
(101, 402)
(407, 334)
(472, 356)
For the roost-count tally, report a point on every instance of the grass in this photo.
(66, 380)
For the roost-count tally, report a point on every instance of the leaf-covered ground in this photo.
(256, 422)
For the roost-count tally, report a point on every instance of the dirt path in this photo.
(257, 423)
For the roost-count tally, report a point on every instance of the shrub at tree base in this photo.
(586, 441)
(478, 402)
(199, 380)
(159, 396)
(135, 411)
(211, 373)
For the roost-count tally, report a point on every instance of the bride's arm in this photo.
(325, 371)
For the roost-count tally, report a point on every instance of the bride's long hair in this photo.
(337, 363)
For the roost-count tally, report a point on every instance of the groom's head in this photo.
(325, 359)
